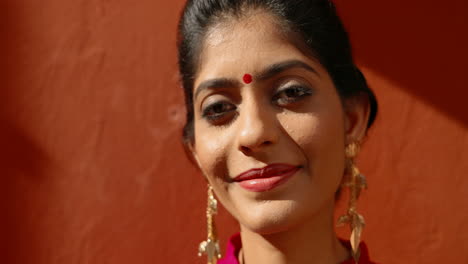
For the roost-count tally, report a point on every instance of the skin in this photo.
(242, 126)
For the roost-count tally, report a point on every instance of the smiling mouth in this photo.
(266, 178)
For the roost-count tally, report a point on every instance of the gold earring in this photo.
(210, 247)
(356, 182)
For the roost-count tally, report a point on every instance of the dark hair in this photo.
(314, 22)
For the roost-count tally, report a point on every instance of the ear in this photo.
(193, 157)
(357, 111)
(191, 153)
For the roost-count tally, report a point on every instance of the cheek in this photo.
(210, 150)
(302, 128)
(317, 130)
(320, 136)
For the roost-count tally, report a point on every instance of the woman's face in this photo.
(289, 114)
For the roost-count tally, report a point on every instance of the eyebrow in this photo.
(216, 83)
(277, 68)
(267, 73)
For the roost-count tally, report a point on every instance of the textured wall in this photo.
(90, 111)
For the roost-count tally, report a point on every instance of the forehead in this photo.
(245, 45)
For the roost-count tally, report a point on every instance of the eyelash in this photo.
(210, 112)
(304, 91)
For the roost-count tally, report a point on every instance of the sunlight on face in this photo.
(289, 114)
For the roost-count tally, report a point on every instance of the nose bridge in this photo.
(257, 125)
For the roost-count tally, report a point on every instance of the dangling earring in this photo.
(356, 182)
(210, 247)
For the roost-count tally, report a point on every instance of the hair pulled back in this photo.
(313, 24)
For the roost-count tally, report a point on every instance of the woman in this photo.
(276, 109)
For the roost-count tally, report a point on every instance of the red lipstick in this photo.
(266, 178)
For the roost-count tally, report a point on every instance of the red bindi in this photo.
(247, 78)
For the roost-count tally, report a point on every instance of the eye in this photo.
(217, 111)
(291, 94)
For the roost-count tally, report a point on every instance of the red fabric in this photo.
(235, 244)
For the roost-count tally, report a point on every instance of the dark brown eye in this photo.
(291, 94)
(217, 110)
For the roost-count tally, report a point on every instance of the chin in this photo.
(271, 217)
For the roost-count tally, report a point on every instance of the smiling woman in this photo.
(276, 109)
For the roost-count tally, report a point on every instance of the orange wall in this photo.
(91, 110)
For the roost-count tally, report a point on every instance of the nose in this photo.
(258, 128)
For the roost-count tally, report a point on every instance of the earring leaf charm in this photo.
(210, 247)
(355, 181)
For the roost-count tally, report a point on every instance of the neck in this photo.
(313, 241)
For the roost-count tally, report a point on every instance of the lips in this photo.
(266, 178)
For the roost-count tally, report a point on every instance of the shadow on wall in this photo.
(419, 44)
(21, 159)
(22, 163)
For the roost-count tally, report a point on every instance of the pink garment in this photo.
(235, 244)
